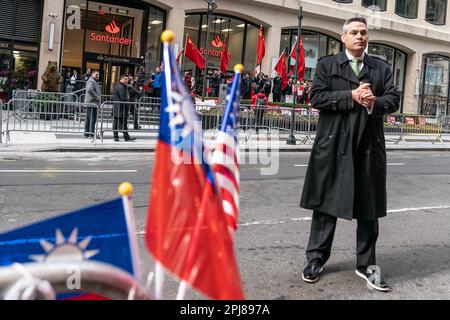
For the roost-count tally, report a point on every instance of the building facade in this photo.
(116, 37)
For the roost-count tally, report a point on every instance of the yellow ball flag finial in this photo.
(125, 189)
(167, 36)
(239, 68)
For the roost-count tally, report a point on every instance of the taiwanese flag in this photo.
(280, 68)
(192, 52)
(301, 61)
(261, 48)
(103, 233)
(224, 59)
(187, 230)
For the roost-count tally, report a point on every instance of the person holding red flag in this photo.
(280, 68)
(192, 53)
(261, 48)
(224, 58)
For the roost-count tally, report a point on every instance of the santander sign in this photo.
(113, 29)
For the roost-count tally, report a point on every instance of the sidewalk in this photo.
(146, 142)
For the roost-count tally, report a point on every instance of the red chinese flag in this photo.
(261, 48)
(225, 58)
(193, 54)
(301, 61)
(280, 68)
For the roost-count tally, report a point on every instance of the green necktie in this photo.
(355, 63)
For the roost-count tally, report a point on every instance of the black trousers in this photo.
(322, 234)
(259, 115)
(121, 123)
(91, 119)
(134, 110)
(276, 97)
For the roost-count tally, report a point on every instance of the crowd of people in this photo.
(251, 86)
(256, 88)
(126, 95)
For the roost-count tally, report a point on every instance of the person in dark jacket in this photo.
(121, 109)
(346, 175)
(215, 83)
(246, 87)
(135, 93)
(266, 84)
(276, 91)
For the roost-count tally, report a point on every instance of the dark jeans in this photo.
(259, 114)
(121, 123)
(134, 110)
(322, 234)
(91, 120)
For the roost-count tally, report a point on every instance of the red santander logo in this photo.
(112, 27)
(217, 43)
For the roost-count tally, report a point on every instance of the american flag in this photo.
(226, 154)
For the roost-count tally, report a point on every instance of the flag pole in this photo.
(126, 191)
(291, 139)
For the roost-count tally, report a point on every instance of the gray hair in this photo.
(354, 19)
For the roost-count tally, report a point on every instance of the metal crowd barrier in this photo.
(126, 117)
(413, 125)
(49, 116)
(42, 281)
(25, 105)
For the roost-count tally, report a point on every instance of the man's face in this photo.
(96, 76)
(356, 37)
(158, 70)
(125, 80)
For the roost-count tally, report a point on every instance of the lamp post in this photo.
(291, 139)
(211, 7)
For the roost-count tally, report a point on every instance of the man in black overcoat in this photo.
(121, 107)
(346, 176)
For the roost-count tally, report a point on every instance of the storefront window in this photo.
(241, 39)
(113, 39)
(396, 60)
(315, 44)
(153, 50)
(435, 87)
(74, 34)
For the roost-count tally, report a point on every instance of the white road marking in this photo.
(418, 209)
(389, 164)
(67, 171)
(285, 220)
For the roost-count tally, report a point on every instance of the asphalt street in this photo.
(413, 248)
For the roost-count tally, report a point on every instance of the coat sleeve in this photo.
(324, 99)
(389, 102)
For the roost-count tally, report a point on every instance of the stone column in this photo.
(175, 22)
(422, 7)
(412, 83)
(272, 39)
(53, 11)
